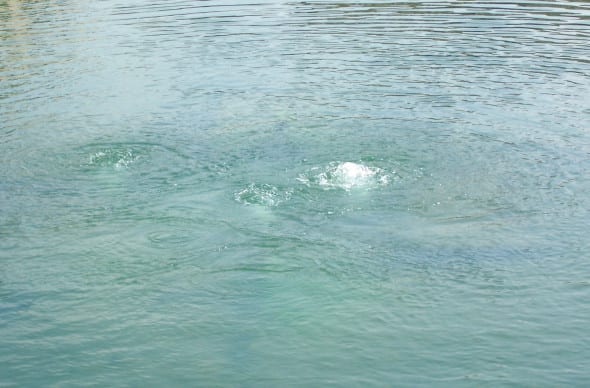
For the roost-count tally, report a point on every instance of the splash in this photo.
(346, 175)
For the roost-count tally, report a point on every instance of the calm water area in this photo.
(294, 193)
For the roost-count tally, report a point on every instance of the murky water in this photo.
(294, 193)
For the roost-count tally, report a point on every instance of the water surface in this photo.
(294, 193)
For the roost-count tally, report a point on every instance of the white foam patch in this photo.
(346, 175)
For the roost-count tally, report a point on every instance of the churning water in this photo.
(304, 193)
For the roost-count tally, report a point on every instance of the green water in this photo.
(294, 193)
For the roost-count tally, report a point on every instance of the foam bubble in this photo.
(346, 175)
(117, 158)
(262, 194)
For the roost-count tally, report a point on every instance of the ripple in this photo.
(166, 239)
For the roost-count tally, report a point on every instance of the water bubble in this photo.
(113, 157)
(262, 194)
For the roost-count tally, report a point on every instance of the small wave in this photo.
(346, 175)
(262, 194)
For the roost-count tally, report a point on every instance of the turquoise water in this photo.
(294, 193)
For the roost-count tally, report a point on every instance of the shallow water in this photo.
(294, 193)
